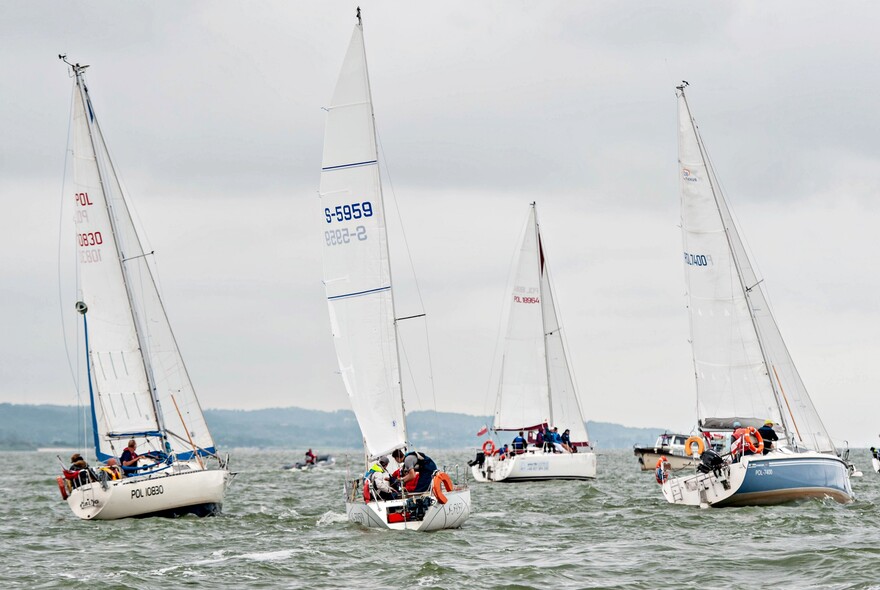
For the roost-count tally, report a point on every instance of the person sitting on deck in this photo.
(519, 444)
(311, 458)
(875, 453)
(566, 441)
(539, 439)
(556, 440)
(380, 479)
(502, 452)
(78, 473)
(408, 485)
(416, 466)
(548, 440)
(769, 435)
(111, 468)
(130, 458)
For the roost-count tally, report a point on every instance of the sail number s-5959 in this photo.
(348, 212)
(335, 237)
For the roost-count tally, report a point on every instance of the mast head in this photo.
(75, 68)
(359, 15)
(684, 84)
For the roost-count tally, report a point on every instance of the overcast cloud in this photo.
(212, 111)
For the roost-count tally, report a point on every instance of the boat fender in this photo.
(488, 447)
(759, 449)
(660, 472)
(688, 449)
(366, 490)
(442, 479)
(62, 487)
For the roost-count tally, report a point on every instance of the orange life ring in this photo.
(441, 478)
(701, 446)
(62, 487)
(660, 474)
(488, 447)
(751, 430)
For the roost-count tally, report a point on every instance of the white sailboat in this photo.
(536, 388)
(138, 385)
(357, 277)
(743, 370)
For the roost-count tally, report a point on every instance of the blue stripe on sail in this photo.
(359, 293)
(354, 165)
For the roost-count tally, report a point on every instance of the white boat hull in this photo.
(758, 480)
(195, 491)
(536, 466)
(450, 515)
(876, 463)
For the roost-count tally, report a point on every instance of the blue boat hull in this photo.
(777, 480)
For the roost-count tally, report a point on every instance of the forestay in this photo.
(357, 273)
(742, 366)
(135, 365)
(536, 385)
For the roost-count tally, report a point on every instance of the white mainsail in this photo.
(357, 272)
(139, 386)
(742, 366)
(536, 384)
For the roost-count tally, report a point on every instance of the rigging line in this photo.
(412, 269)
(67, 150)
(415, 386)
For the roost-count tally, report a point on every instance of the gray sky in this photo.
(212, 112)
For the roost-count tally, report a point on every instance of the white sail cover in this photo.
(130, 341)
(743, 369)
(535, 386)
(357, 273)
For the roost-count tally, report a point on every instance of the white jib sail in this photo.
(123, 366)
(357, 273)
(536, 385)
(564, 402)
(743, 369)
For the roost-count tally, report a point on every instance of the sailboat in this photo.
(745, 376)
(138, 385)
(357, 278)
(536, 388)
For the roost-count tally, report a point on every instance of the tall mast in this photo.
(387, 249)
(719, 204)
(84, 95)
(544, 333)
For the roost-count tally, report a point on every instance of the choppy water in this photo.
(288, 530)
